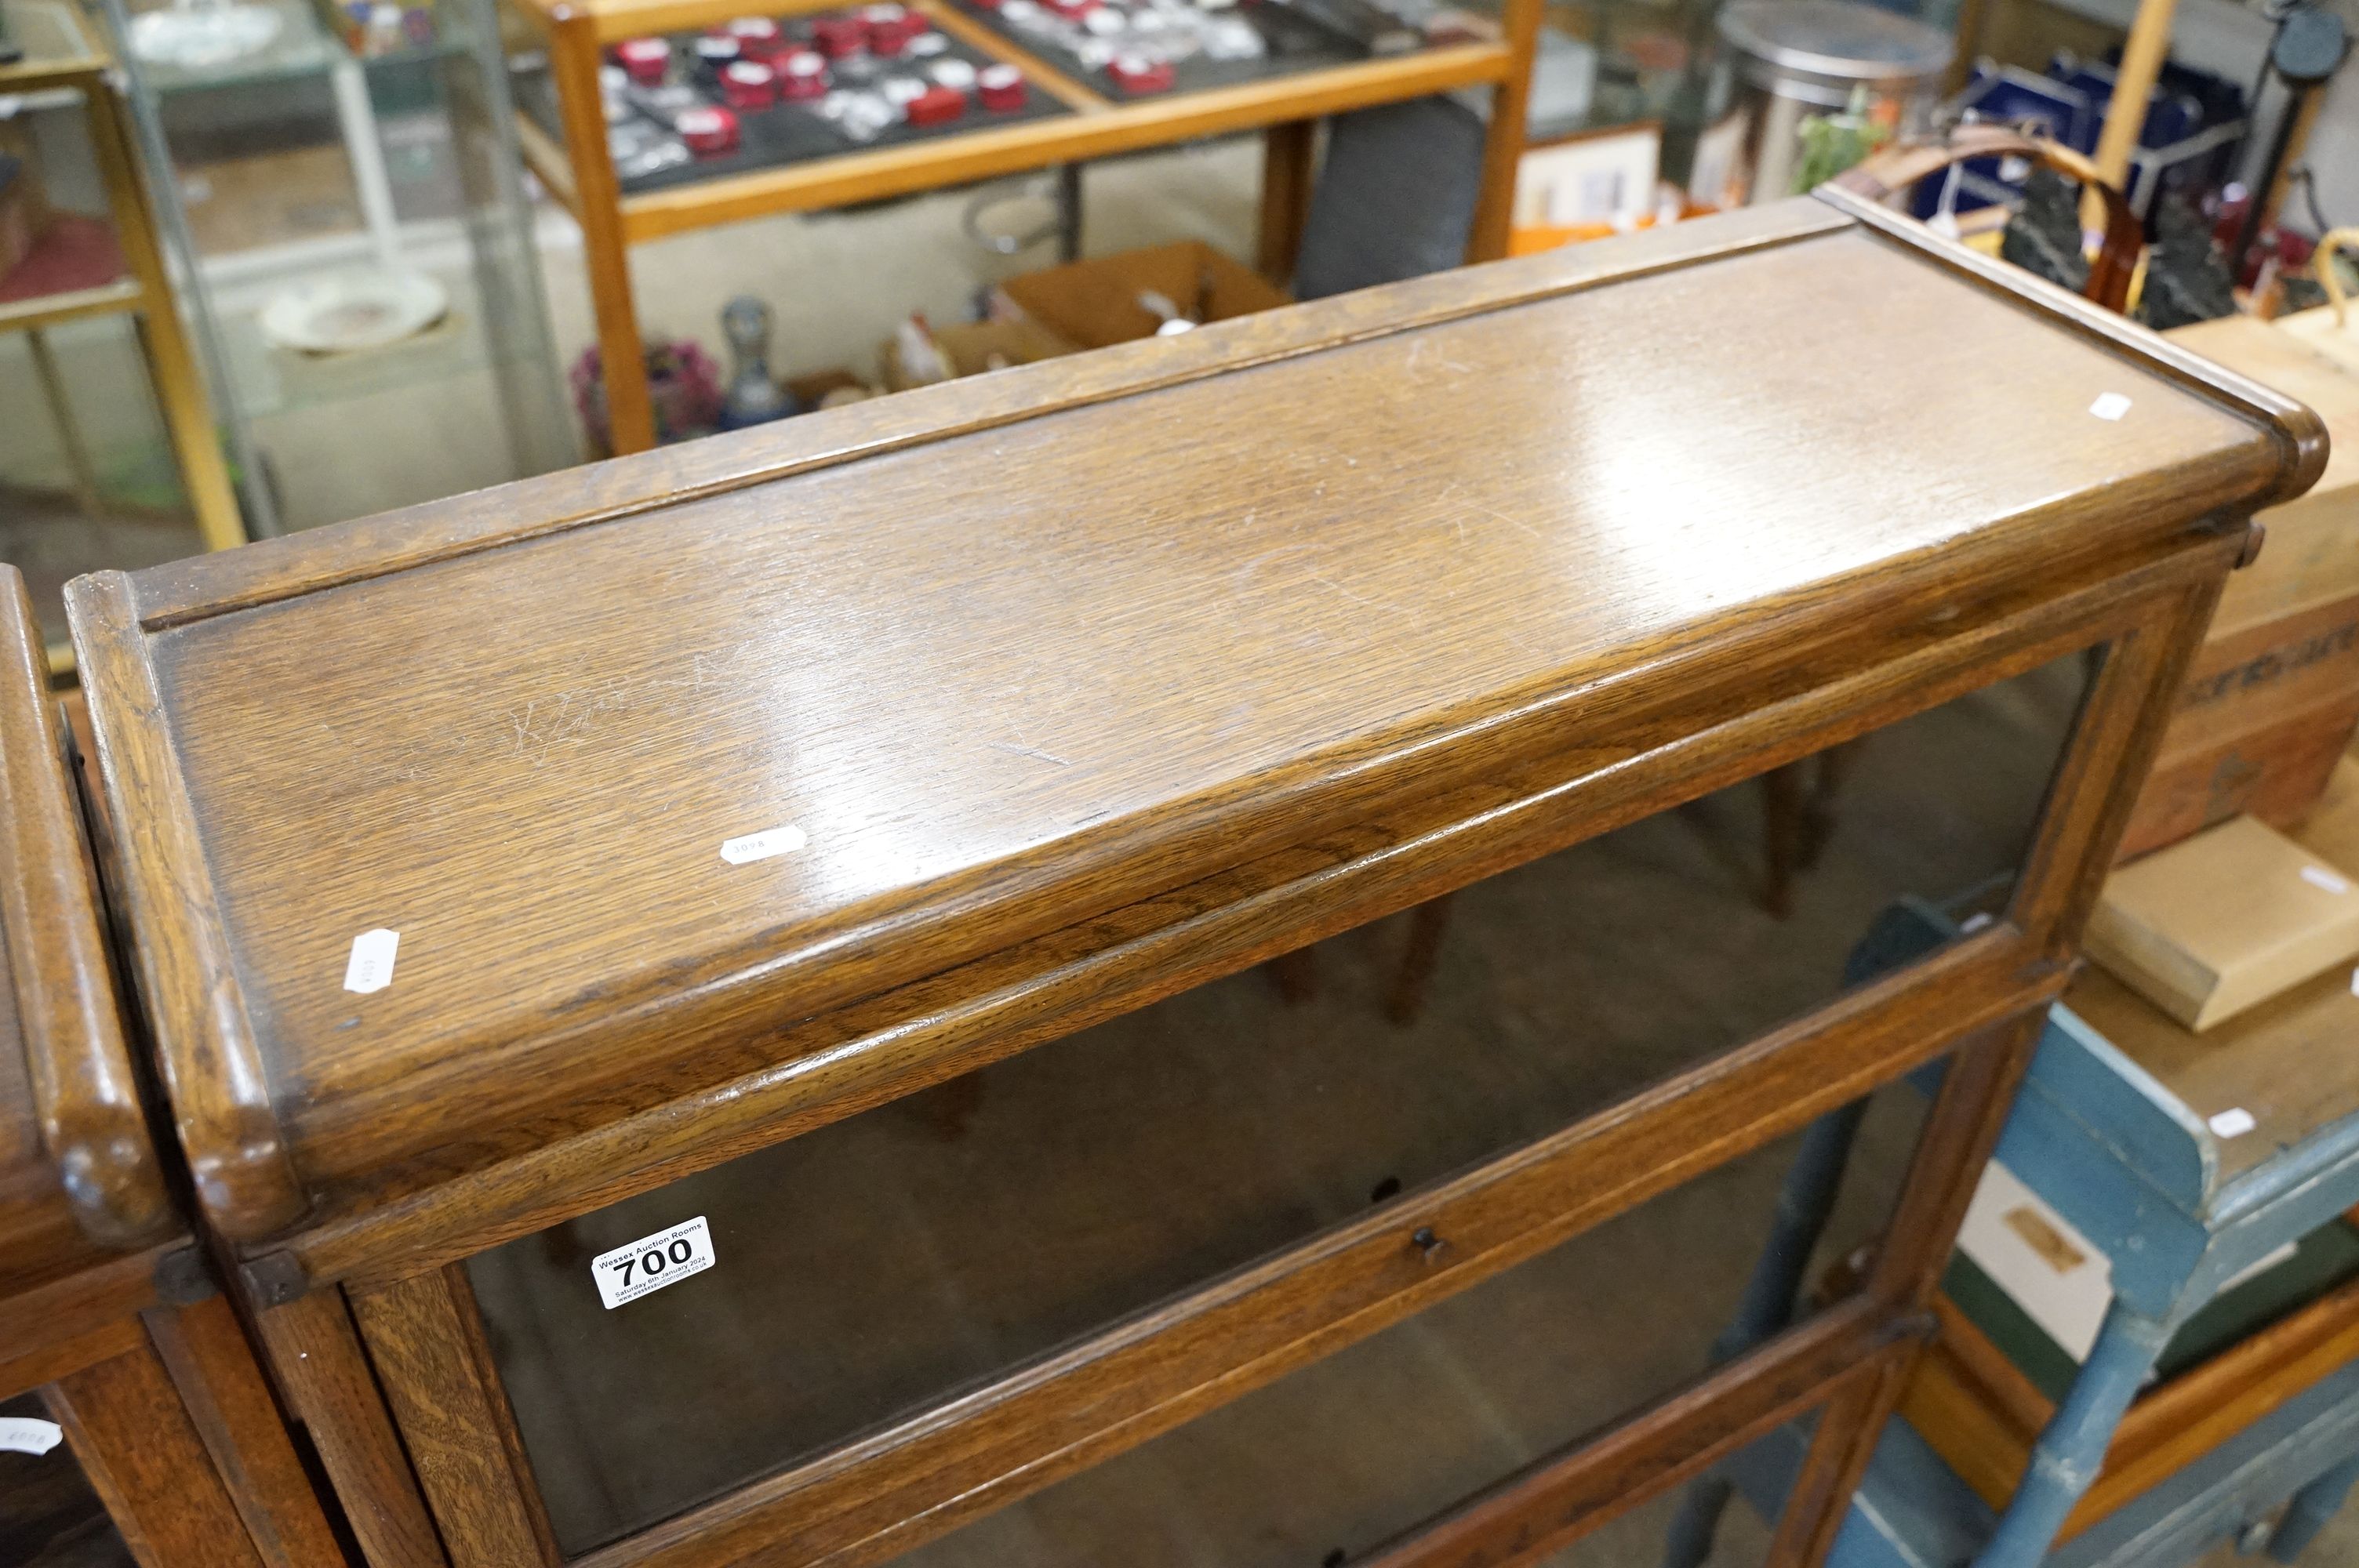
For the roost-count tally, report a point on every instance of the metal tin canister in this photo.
(1786, 62)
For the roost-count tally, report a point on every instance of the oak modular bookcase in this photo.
(775, 828)
(140, 1424)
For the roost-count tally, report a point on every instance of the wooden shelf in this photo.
(1111, 128)
(573, 161)
(119, 297)
(74, 270)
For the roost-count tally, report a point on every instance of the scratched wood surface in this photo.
(1020, 671)
(79, 1179)
(165, 1406)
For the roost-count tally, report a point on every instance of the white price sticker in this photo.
(2233, 1123)
(652, 1262)
(2110, 405)
(370, 968)
(783, 839)
(29, 1434)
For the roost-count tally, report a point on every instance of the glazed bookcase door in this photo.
(917, 1314)
(151, 1440)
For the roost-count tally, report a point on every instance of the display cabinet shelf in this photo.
(570, 146)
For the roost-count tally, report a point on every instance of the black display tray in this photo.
(790, 133)
(1295, 43)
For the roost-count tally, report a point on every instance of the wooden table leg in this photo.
(1296, 974)
(1405, 1001)
(1288, 154)
(573, 64)
(1503, 147)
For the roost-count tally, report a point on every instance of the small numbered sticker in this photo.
(370, 968)
(783, 839)
(29, 1434)
(652, 1262)
(2233, 1123)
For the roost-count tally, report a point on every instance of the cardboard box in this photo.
(2318, 329)
(975, 347)
(1094, 303)
(2268, 700)
(2250, 677)
(2311, 555)
(2274, 774)
(2223, 921)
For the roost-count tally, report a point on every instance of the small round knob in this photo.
(1428, 1246)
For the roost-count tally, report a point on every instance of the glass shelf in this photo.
(305, 46)
(272, 380)
(53, 39)
(285, 410)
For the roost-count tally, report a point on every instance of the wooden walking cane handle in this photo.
(1887, 173)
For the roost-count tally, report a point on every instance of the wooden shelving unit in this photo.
(580, 173)
(62, 55)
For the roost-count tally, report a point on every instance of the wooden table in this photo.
(110, 1326)
(506, 874)
(2118, 1128)
(1287, 107)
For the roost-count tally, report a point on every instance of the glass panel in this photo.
(1341, 1457)
(875, 1265)
(354, 165)
(88, 478)
(50, 1517)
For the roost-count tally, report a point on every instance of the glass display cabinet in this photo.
(348, 213)
(112, 460)
(714, 998)
(136, 1428)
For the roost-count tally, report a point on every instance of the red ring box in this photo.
(1072, 10)
(1001, 87)
(935, 106)
(748, 85)
(839, 36)
(645, 58)
(707, 131)
(1136, 75)
(888, 36)
(801, 73)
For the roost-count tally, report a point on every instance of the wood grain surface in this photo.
(134, 1441)
(75, 1142)
(460, 1199)
(219, 1090)
(425, 1340)
(212, 1364)
(316, 1355)
(1035, 668)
